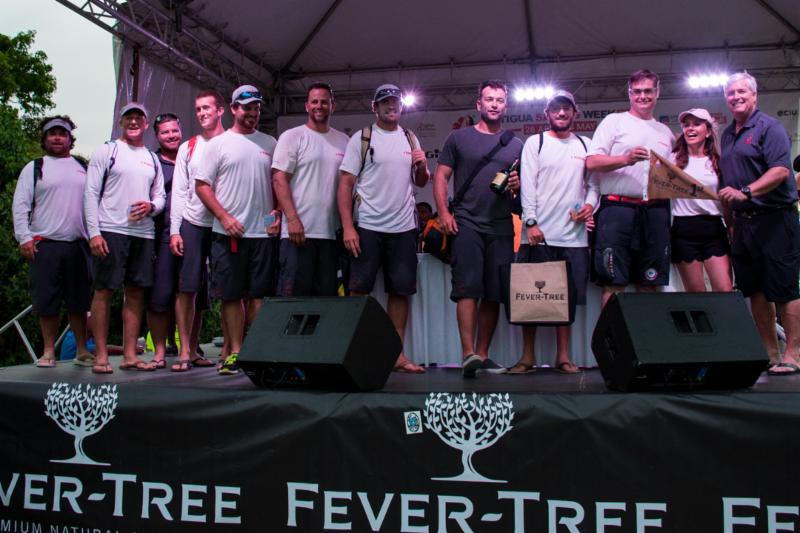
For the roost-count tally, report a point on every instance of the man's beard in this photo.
(561, 129)
(489, 120)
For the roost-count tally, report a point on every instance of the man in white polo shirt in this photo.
(234, 183)
(49, 226)
(190, 231)
(124, 190)
(632, 243)
(384, 209)
(305, 172)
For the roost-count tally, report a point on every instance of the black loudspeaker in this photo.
(679, 340)
(324, 343)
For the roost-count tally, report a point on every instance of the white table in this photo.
(432, 330)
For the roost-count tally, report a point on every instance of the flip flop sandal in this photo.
(181, 366)
(201, 362)
(160, 363)
(408, 367)
(794, 369)
(520, 369)
(46, 363)
(102, 369)
(560, 368)
(141, 366)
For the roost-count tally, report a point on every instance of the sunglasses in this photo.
(383, 93)
(248, 94)
(165, 117)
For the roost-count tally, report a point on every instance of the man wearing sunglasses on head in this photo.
(632, 242)
(161, 299)
(381, 163)
(234, 183)
(124, 191)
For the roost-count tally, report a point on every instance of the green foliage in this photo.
(26, 86)
(26, 78)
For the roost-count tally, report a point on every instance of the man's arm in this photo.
(283, 194)
(440, 179)
(20, 209)
(232, 227)
(607, 163)
(420, 163)
(344, 200)
(771, 179)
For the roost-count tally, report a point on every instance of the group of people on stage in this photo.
(265, 213)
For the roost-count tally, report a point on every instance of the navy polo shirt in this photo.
(762, 143)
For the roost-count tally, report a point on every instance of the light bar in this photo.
(707, 81)
(528, 94)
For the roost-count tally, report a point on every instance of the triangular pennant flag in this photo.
(668, 181)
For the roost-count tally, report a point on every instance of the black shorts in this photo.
(60, 271)
(697, 238)
(129, 262)
(308, 270)
(578, 259)
(161, 296)
(631, 243)
(395, 252)
(765, 254)
(476, 262)
(246, 271)
(193, 269)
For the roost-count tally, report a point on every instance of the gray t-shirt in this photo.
(480, 208)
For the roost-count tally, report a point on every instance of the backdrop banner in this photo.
(88, 457)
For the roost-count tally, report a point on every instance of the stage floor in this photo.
(438, 379)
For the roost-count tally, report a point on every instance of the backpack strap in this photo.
(192, 146)
(37, 175)
(81, 162)
(541, 142)
(412, 141)
(583, 143)
(111, 161)
(366, 139)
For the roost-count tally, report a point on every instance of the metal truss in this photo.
(173, 36)
(599, 89)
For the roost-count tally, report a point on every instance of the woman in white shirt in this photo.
(699, 236)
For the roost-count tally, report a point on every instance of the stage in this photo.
(159, 451)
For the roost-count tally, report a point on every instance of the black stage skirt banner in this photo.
(122, 457)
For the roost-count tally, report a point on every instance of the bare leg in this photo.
(608, 292)
(252, 307)
(467, 315)
(184, 316)
(49, 325)
(764, 317)
(194, 338)
(159, 323)
(132, 310)
(692, 276)
(487, 322)
(233, 314)
(790, 318)
(77, 323)
(397, 309)
(563, 361)
(719, 273)
(101, 308)
(528, 358)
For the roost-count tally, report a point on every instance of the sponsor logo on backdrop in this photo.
(80, 411)
(469, 423)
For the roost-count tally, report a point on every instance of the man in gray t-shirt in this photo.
(480, 224)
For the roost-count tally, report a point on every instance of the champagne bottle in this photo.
(499, 184)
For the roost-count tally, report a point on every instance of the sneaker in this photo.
(470, 365)
(490, 367)
(230, 366)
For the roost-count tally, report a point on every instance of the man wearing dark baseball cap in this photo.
(49, 226)
(383, 176)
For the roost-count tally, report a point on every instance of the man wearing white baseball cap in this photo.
(49, 226)
(233, 181)
(124, 190)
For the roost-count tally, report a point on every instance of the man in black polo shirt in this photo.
(761, 193)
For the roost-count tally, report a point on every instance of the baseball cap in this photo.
(130, 107)
(563, 95)
(246, 94)
(56, 123)
(387, 90)
(700, 113)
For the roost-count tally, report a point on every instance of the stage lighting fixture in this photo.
(528, 94)
(409, 99)
(707, 81)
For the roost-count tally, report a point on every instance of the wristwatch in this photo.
(746, 192)
(531, 222)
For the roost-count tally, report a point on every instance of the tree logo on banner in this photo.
(470, 424)
(80, 411)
